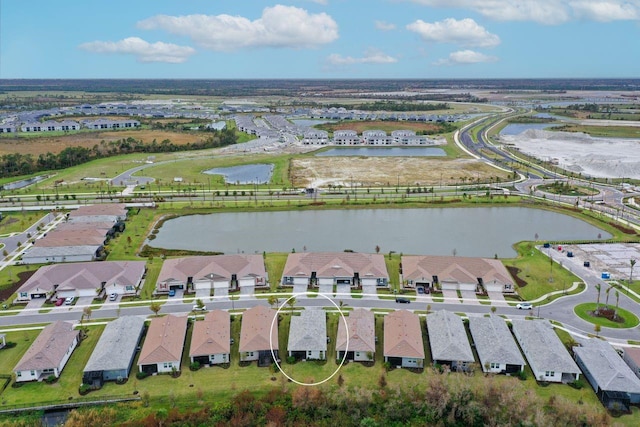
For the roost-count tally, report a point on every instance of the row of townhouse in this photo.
(70, 125)
(81, 237)
(321, 270)
(369, 138)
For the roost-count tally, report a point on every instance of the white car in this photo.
(113, 297)
(199, 308)
(524, 306)
(69, 300)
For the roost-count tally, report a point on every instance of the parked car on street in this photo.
(196, 307)
(401, 300)
(524, 306)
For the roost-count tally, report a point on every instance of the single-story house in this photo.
(48, 354)
(360, 341)
(496, 347)
(615, 384)
(212, 272)
(163, 345)
(547, 356)
(118, 210)
(257, 338)
(632, 358)
(3, 340)
(113, 356)
(83, 279)
(403, 345)
(110, 124)
(448, 340)
(335, 268)
(62, 254)
(308, 335)
(455, 273)
(211, 339)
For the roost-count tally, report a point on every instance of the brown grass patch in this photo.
(363, 171)
(55, 144)
(386, 126)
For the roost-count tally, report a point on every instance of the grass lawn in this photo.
(583, 310)
(536, 270)
(274, 263)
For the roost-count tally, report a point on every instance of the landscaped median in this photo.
(626, 319)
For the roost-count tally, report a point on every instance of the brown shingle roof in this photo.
(211, 335)
(206, 267)
(254, 333)
(402, 335)
(100, 209)
(164, 341)
(49, 348)
(335, 264)
(84, 275)
(454, 269)
(72, 237)
(361, 324)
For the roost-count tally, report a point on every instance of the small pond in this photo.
(384, 152)
(518, 128)
(482, 231)
(244, 174)
(23, 183)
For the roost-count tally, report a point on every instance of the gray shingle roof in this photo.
(448, 338)
(494, 342)
(542, 347)
(117, 344)
(308, 331)
(49, 348)
(606, 367)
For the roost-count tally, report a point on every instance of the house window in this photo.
(308, 353)
(549, 374)
(24, 294)
(495, 366)
(32, 373)
(19, 374)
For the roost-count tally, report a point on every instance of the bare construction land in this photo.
(376, 171)
(581, 153)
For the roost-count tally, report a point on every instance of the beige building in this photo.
(211, 339)
(403, 344)
(163, 345)
(257, 338)
(360, 342)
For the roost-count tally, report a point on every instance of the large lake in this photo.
(384, 152)
(483, 231)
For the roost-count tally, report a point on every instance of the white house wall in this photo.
(325, 281)
(301, 281)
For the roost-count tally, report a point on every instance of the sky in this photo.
(319, 39)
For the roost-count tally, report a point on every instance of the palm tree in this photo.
(598, 301)
(632, 262)
(606, 301)
(273, 301)
(615, 313)
(291, 302)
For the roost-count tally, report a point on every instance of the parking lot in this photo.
(613, 258)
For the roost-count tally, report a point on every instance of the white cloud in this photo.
(384, 26)
(605, 11)
(550, 12)
(279, 26)
(465, 32)
(464, 57)
(142, 50)
(371, 56)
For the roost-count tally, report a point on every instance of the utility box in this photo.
(606, 275)
(587, 264)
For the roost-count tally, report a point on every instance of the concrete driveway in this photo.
(177, 299)
(370, 291)
(469, 297)
(450, 296)
(203, 294)
(497, 298)
(82, 301)
(326, 290)
(221, 292)
(343, 291)
(299, 289)
(247, 291)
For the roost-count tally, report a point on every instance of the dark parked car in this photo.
(401, 300)
(420, 290)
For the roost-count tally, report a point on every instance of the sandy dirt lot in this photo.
(581, 153)
(373, 171)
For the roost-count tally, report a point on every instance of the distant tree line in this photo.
(392, 106)
(17, 164)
